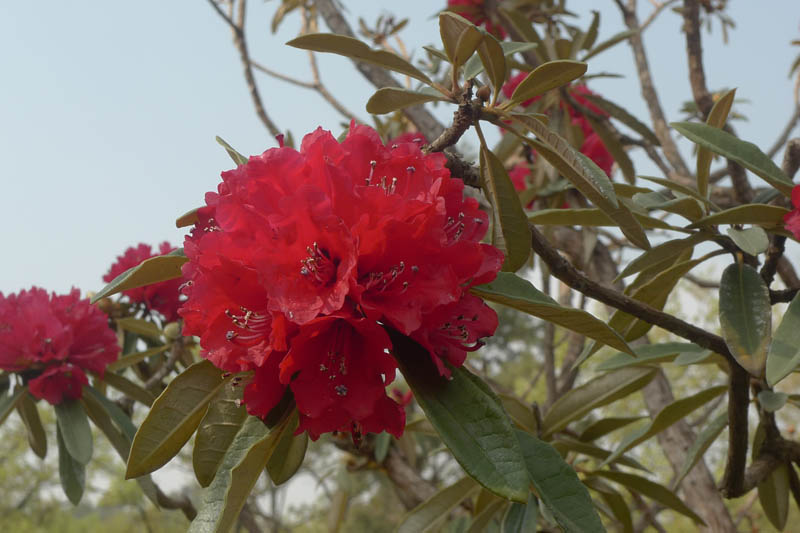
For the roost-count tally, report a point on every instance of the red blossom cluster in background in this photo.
(791, 220)
(52, 340)
(475, 12)
(162, 297)
(302, 259)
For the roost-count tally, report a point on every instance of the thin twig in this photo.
(787, 130)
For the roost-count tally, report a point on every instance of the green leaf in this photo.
(584, 174)
(545, 77)
(662, 252)
(598, 392)
(784, 352)
(621, 114)
(745, 153)
(481, 522)
(772, 401)
(129, 388)
(222, 501)
(133, 358)
(761, 214)
(701, 443)
(558, 486)
(494, 62)
(238, 158)
(608, 43)
(716, 119)
(425, 516)
(521, 414)
(589, 217)
(591, 34)
(9, 401)
(75, 430)
(459, 36)
(753, 240)
(189, 218)
(681, 189)
(614, 500)
(172, 419)
(508, 213)
(389, 99)
(611, 141)
(649, 354)
(670, 414)
(686, 207)
(514, 291)
(218, 428)
(140, 327)
(773, 493)
(382, 442)
(604, 426)
(469, 418)
(357, 51)
(745, 316)
(521, 517)
(33, 425)
(654, 491)
(288, 456)
(565, 444)
(473, 66)
(149, 271)
(71, 472)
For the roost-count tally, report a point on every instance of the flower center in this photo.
(381, 281)
(319, 266)
(253, 327)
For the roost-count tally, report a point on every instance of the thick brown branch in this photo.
(738, 402)
(183, 503)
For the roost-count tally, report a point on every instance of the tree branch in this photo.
(694, 53)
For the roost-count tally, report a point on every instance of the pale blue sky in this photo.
(108, 111)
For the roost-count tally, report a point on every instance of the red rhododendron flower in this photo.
(162, 297)
(475, 12)
(592, 147)
(791, 220)
(301, 259)
(54, 338)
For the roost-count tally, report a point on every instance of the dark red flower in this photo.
(791, 220)
(475, 12)
(161, 297)
(301, 258)
(56, 338)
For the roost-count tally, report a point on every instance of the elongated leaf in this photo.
(459, 36)
(670, 414)
(584, 174)
(246, 458)
(508, 212)
(761, 214)
(469, 419)
(33, 425)
(681, 189)
(237, 158)
(473, 66)
(389, 99)
(604, 426)
(716, 119)
(288, 456)
(773, 493)
(75, 431)
(745, 153)
(558, 486)
(172, 419)
(600, 391)
(494, 62)
(654, 491)
(153, 270)
(187, 219)
(129, 388)
(132, 359)
(221, 423)
(481, 522)
(521, 518)
(521, 414)
(140, 327)
(430, 512)
(616, 503)
(71, 471)
(545, 77)
(608, 43)
(357, 51)
(701, 443)
(9, 401)
(753, 240)
(650, 354)
(611, 141)
(621, 114)
(784, 352)
(661, 252)
(514, 291)
(745, 316)
(566, 444)
(589, 217)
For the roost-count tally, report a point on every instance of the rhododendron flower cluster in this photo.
(592, 147)
(475, 12)
(302, 259)
(791, 220)
(162, 297)
(52, 340)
